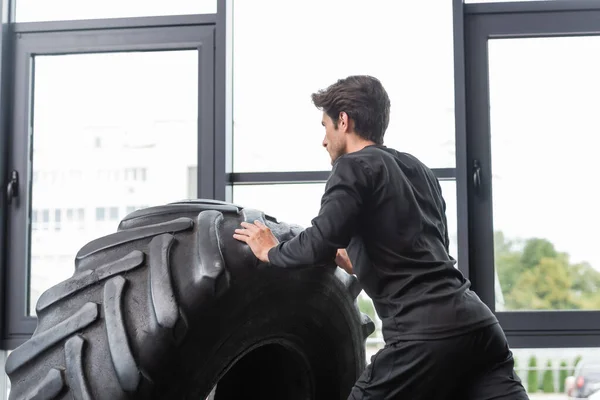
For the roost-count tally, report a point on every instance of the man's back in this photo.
(400, 251)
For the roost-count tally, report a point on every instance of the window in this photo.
(548, 373)
(60, 10)
(544, 146)
(113, 213)
(100, 213)
(69, 91)
(57, 217)
(290, 203)
(277, 128)
(531, 105)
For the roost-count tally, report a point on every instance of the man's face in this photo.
(335, 138)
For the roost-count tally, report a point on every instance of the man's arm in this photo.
(345, 194)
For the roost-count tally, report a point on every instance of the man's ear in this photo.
(344, 121)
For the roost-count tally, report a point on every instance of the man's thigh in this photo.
(494, 376)
(501, 382)
(420, 370)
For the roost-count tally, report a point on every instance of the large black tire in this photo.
(171, 307)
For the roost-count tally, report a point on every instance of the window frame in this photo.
(5, 80)
(249, 178)
(524, 329)
(189, 32)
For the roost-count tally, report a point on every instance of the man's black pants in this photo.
(474, 366)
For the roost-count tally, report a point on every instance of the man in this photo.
(386, 208)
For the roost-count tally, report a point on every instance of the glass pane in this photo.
(130, 122)
(544, 122)
(449, 193)
(301, 204)
(60, 10)
(276, 126)
(552, 374)
(303, 200)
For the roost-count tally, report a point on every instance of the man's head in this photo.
(356, 112)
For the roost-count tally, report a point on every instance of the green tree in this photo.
(535, 249)
(548, 379)
(508, 262)
(562, 376)
(532, 376)
(533, 275)
(545, 287)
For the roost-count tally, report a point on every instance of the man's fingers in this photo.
(242, 232)
(241, 238)
(260, 224)
(249, 226)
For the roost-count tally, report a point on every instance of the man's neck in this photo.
(358, 145)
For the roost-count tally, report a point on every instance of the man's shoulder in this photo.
(358, 162)
(367, 155)
(376, 157)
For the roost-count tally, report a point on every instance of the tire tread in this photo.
(49, 388)
(127, 371)
(44, 340)
(133, 234)
(86, 278)
(162, 296)
(76, 379)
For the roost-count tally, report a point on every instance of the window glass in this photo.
(544, 123)
(558, 373)
(303, 201)
(291, 203)
(60, 10)
(130, 121)
(277, 128)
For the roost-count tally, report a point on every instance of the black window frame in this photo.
(5, 79)
(524, 329)
(26, 40)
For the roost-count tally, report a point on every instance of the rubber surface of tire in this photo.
(171, 304)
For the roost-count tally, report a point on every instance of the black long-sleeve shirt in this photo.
(386, 208)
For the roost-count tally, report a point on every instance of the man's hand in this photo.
(343, 261)
(259, 237)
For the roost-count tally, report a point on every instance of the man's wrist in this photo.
(266, 254)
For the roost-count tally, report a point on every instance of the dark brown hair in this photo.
(365, 101)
